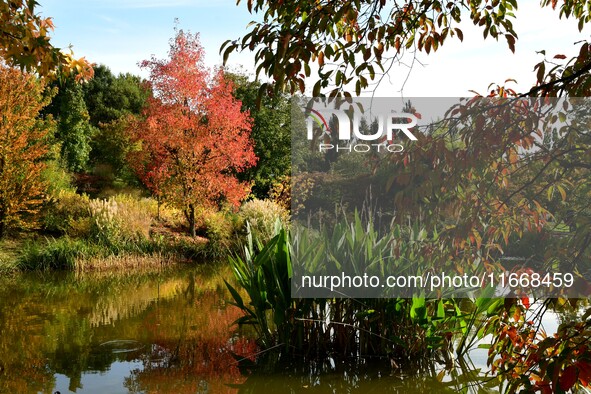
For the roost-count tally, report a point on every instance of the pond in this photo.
(166, 331)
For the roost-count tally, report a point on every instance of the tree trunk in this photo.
(191, 217)
(2, 220)
(159, 200)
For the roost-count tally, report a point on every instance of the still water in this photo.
(166, 331)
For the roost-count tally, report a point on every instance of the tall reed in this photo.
(405, 330)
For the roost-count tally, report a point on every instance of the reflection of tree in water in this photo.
(198, 357)
(131, 301)
(66, 325)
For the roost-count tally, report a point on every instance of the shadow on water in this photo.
(170, 331)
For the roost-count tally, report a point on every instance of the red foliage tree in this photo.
(193, 138)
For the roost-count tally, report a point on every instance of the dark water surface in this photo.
(167, 331)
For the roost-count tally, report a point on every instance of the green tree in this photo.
(109, 97)
(271, 134)
(112, 101)
(23, 147)
(74, 131)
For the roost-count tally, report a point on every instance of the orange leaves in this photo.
(321, 59)
(530, 359)
(584, 369)
(25, 43)
(512, 156)
(23, 147)
(475, 238)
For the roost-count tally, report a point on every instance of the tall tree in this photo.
(110, 101)
(271, 134)
(74, 131)
(23, 146)
(194, 132)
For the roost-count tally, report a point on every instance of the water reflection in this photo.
(108, 334)
(170, 331)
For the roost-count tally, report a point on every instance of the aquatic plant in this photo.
(404, 330)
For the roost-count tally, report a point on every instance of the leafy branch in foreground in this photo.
(351, 45)
(25, 42)
(356, 42)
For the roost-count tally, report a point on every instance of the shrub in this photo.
(137, 212)
(218, 227)
(105, 224)
(67, 213)
(55, 174)
(120, 219)
(262, 217)
(281, 192)
(170, 216)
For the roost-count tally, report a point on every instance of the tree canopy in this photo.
(354, 42)
(109, 97)
(74, 131)
(23, 146)
(194, 138)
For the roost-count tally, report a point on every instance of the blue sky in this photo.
(120, 33)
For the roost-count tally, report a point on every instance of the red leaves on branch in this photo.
(194, 138)
(568, 378)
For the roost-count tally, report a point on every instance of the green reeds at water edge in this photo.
(407, 331)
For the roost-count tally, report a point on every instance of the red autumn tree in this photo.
(193, 138)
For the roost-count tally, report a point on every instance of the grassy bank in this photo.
(79, 233)
(9, 251)
(65, 253)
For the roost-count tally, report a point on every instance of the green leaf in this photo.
(237, 298)
(440, 309)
